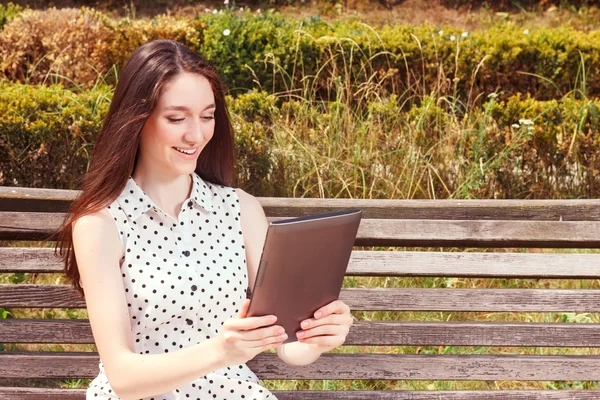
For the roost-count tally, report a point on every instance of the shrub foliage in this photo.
(514, 148)
(75, 47)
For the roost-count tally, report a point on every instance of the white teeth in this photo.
(185, 151)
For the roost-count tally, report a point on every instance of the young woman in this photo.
(164, 248)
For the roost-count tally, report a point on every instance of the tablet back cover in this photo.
(302, 267)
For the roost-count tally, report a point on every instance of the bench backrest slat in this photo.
(346, 366)
(368, 299)
(390, 263)
(56, 200)
(363, 333)
(385, 232)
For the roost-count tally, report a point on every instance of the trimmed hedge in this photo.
(279, 55)
(46, 136)
(504, 149)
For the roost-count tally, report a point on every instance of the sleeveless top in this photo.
(183, 279)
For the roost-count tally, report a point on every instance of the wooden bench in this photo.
(30, 214)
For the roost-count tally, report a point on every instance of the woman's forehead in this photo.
(187, 89)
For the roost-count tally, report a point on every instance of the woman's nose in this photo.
(196, 132)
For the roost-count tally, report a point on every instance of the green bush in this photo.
(514, 148)
(253, 116)
(344, 58)
(8, 12)
(562, 154)
(251, 51)
(46, 134)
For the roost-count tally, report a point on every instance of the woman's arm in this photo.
(131, 375)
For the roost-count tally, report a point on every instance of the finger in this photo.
(249, 323)
(262, 333)
(335, 307)
(338, 330)
(268, 341)
(333, 319)
(329, 341)
(244, 311)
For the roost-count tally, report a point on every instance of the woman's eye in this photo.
(175, 119)
(208, 117)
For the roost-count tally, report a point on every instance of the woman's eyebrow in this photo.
(184, 108)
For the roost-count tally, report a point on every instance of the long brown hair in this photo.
(114, 156)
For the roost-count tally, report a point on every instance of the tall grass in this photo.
(341, 134)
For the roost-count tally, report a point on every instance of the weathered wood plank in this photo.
(392, 333)
(29, 226)
(474, 264)
(36, 200)
(370, 299)
(540, 210)
(57, 200)
(72, 331)
(344, 366)
(9, 393)
(386, 232)
(391, 263)
(362, 333)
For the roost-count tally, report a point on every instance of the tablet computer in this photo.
(302, 267)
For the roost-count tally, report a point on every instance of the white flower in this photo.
(526, 122)
(241, 9)
(226, 2)
(226, 32)
(516, 126)
(440, 32)
(453, 38)
(492, 95)
(530, 128)
(526, 31)
(258, 11)
(207, 10)
(464, 34)
(215, 11)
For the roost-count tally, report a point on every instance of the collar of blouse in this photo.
(135, 202)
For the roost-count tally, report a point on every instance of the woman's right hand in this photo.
(241, 338)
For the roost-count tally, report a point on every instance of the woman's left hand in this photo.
(329, 327)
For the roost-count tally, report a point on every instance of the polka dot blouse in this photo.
(183, 279)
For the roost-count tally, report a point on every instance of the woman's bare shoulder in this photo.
(249, 205)
(99, 219)
(97, 230)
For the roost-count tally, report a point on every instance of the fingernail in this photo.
(300, 334)
(317, 314)
(304, 324)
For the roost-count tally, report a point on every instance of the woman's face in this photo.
(180, 126)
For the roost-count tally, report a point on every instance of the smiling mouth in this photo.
(185, 151)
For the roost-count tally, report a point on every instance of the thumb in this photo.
(244, 310)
